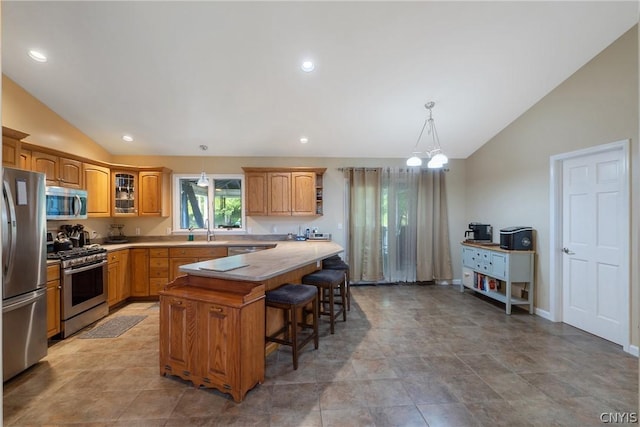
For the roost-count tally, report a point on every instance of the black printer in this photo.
(516, 238)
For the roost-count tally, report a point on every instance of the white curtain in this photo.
(400, 224)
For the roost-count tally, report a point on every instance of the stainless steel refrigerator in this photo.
(24, 271)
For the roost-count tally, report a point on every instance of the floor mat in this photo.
(113, 328)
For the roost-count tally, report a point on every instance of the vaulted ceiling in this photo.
(175, 75)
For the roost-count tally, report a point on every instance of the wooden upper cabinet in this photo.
(70, 171)
(124, 188)
(124, 191)
(303, 193)
(256, 193)
(283, 191)
(154, 193)
(46, 164)
(11, 147)
(279, 193)
(25, 159)
(59, 171)
(98, 184)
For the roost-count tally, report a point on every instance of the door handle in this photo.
(567, 251)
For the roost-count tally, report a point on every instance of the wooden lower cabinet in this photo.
(182, 256)
(53, 300)
(153, 268)
(213, 337)
(119, 288)
(158, 269)
(139, 272)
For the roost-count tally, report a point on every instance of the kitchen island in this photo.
(213, 320)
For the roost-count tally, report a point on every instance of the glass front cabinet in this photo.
(125, 193)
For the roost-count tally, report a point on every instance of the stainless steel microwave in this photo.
(66, 203)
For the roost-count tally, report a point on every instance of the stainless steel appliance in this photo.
(479, 232)
(516, 238)
(24, 271)
(84, 287)
(66, 203)
(320, 236)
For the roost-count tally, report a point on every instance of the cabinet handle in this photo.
(177, 302)
(216, 310)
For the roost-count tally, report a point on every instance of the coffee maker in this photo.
(479, 232)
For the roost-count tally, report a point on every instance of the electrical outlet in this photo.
(137, 231)
(168, 230)
(274, 229)
(339, 226)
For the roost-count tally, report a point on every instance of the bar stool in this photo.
(336, 263)
(291, 298)
(327, 282)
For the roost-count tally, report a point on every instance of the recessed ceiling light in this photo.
(37, 56)
(127, 138)
(307, 66)
(304, 140)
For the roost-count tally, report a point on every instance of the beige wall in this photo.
(507, 180)
(23, 112)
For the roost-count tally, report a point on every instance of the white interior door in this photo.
(595, 282)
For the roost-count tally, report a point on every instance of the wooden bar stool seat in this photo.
(290, 299)
(336, 263)
(327, 282)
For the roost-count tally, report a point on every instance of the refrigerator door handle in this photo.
(10, 212)
(23, 300)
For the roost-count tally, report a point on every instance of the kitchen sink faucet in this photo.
(211, 235)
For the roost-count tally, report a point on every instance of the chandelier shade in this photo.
(203, 181)
(437, 159)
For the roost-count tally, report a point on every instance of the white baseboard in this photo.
(543, 313)
(456, 282)
(633, 350)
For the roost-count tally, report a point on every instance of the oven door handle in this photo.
(70, 271)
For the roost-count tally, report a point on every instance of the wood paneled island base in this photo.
(212, 329)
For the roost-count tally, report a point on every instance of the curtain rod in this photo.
(359, 169)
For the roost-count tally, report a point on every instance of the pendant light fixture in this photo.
(203, 181)
(437, 159)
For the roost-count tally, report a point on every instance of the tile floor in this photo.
(409, 355)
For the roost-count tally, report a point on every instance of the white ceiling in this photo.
(227, 74)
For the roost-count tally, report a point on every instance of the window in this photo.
(217, 206)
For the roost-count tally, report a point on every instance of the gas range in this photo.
(78, 257)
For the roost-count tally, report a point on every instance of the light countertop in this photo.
(186, 243)
(262, 265)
